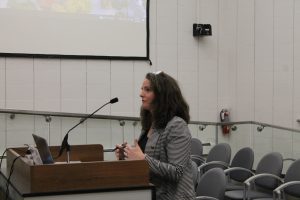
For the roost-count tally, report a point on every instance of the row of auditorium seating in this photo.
(216, 178)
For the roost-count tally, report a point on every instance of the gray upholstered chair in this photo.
(266, 179)
(211, 185)
(218, 156)
(195, 174)
(197, 151)
(291, 185)
(244, 159)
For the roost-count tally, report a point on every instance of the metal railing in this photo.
(46, 114)
(202, 124)
(208, 132)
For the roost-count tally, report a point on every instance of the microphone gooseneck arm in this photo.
(65, 144)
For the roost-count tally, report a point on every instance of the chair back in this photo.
(195, 174)
(243, 158)
(219, 152)
(212, 184)
(271, 163)
(196, 151)
(293, 174)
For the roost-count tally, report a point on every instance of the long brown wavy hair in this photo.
(168, 102)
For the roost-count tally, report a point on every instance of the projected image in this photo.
(132, 10)
(102, 28)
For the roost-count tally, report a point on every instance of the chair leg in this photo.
(274, 196)
(245, 193)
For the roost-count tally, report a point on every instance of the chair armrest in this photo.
(252, 178)
(223, 164)
(206, 197)
(289, 159)
(230, 169)
(284, 185)
(206, 144)
(197, 157)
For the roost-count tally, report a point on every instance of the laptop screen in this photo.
(43, 148)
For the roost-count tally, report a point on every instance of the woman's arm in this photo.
(177, 148)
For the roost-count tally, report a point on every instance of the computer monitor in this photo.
(43, 148)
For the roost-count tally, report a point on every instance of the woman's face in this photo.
(147, 95)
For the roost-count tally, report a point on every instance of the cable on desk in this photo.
(8, 179)
(2, 158)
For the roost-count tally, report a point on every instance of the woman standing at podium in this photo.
(165, 140)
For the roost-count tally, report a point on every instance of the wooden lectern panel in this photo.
(91, 172)
(83, 153)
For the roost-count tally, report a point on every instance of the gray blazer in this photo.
(168, 155)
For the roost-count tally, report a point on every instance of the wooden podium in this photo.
(86, 171)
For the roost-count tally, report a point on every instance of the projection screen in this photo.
(96, 28)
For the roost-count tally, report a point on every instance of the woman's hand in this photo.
(134, 152)
(119, 152)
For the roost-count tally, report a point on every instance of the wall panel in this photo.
(282, 142)
(73, 98)
(227, 54)
(41, 128)
(264, 75)
(208, 59)
(117, 134)
(19, 83)
(2, 82)
(244, 109)
(19, 130)
(296, 60)
(187, 54)
(73, 85)
(283, 62)
(153, 32)
(47, 75)
(98, 86)
(99, 132)
(122, 87)
(167, 36)
(264, 60)
(78, 135)
(55, 130)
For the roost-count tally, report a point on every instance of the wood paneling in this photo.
(74, 176)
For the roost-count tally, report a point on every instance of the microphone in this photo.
(114, 100)
(65, 144)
